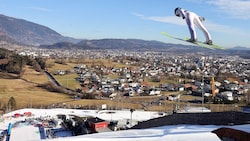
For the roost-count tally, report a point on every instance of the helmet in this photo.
(177, 11)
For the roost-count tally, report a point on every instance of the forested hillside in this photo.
(11, 62)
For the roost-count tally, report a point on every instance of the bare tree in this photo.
(11, 104)
(248, 97)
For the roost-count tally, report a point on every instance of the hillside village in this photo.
(187, 73)
(131, 80)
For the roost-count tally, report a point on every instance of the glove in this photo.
(202, 19)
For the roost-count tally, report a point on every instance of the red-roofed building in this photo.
(98, 125)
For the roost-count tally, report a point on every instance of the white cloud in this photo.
(165, 19)
(195, 1)
(138, 15)
(224, 28)
(236, 8)
(40, 9)
(177, 21)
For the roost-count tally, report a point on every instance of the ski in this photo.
(198, 43)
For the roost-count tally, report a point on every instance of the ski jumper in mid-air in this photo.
(193, 19)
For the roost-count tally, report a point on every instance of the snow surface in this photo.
(170, 133)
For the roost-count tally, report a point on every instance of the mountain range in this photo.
(20, 31)
(29, 33)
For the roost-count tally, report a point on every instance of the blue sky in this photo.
(228, 21)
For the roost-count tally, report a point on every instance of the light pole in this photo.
(131, 111)
(202, 92)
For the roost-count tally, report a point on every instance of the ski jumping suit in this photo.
(191, 20)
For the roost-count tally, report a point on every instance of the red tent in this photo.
(16, 115)
(28, 114)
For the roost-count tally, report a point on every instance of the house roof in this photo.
(95, 120)
(4, 61)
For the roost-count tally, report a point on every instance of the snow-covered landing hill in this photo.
(26, 132)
